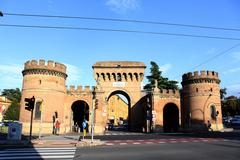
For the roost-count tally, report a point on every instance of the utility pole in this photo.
(93, 114)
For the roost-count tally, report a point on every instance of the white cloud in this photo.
(122, 6)
(11, 76)
(74, 74)
(164, 68)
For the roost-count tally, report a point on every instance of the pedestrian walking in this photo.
(57, 126)
(209, 125)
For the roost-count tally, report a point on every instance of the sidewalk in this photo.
(51, 141)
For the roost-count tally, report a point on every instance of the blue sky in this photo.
(80, 49)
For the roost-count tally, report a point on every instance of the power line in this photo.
(217, 55)
(212, 58)
(121, 20)
(118, 30)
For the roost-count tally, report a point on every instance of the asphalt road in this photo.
(221, 150)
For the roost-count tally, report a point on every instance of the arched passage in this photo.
(80, 111)
(119, 105)
(170, 118)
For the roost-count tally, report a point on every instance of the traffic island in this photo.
(89, 143)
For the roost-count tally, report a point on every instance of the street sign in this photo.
(84, 124)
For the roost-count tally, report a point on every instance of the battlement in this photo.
(80, 89)
(202, 74)
(41, 64)
(169, 92)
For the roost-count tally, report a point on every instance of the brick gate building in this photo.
(198, 103)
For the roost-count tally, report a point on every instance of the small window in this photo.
(119, 78)
(40, 81)
(211, 90)
(38, 110)
(196, 89)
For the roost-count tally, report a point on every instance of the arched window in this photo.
(38, 110)
(213, 112)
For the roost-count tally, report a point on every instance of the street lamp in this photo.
(92, 113)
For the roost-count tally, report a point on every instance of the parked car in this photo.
(235, 122)
(109, 126)
(227, 120)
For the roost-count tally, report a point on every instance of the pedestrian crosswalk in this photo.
(38, 153)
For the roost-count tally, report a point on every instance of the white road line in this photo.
(149, 142)
(40, 157)
(136, 143)
(122, 143)
(161, 142)
(36, 153)
(109, 144)
(60, 148)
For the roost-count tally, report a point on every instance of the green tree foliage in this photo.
(13, 110)
(223, 92)
(162, 82)
(231, 106)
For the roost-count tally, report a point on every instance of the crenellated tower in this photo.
(201, 100)
(46, 82)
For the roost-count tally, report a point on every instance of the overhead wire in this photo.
(117, 30)
(121, 20)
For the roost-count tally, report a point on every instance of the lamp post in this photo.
(92, 114)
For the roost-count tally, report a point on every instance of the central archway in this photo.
(80, 111)
(118, 112)
(170, 118)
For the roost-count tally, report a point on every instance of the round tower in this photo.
(46, 82)
(201, 101)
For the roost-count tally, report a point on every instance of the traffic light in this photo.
(96, 103)
(29, 103)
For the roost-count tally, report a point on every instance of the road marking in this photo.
(109, 144)
(149, 142)
(136, 143)
(161, 142)
(122, 143)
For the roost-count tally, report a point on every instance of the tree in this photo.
(231, 106)
(13, 110)
(223, 92)
(12, 94)
(162, 82)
